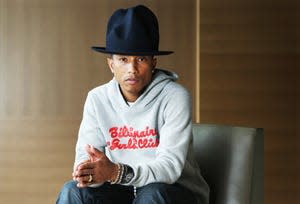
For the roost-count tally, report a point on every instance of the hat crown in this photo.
(132, 31)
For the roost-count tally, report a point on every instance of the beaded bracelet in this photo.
(118, 175)
(121, 174)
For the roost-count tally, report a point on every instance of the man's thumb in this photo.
(93, 152)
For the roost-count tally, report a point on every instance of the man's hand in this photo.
(99, 166)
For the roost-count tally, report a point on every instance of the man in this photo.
(135, 138)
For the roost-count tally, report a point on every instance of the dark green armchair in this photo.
(231, 160)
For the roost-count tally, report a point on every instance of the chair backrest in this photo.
(231, 161)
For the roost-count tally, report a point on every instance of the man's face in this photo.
(133, 73)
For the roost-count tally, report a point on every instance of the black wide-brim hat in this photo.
(132, 31)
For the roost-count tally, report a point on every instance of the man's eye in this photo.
(123, 59)
(141, 59)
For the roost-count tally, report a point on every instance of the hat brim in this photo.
(139, 53)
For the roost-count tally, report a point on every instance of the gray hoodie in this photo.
(153, 135)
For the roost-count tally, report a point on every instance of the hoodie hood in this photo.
(159, 81)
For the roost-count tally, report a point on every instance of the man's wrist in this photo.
(122, 175)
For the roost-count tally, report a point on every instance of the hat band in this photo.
(121, 45)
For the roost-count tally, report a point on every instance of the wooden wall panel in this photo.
(46, 70)
(297, 141)
(248, 76)
(36, 158)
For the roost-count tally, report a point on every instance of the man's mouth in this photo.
(132, 80)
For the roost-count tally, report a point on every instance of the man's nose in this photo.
(132, 66)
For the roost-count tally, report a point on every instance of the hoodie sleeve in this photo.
(89, 131)
(175, 137)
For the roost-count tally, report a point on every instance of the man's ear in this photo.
(154, 61)
(110, 64)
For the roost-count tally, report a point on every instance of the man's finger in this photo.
(84, 172)
(94, 153)
(89, 165)
(84, 162)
